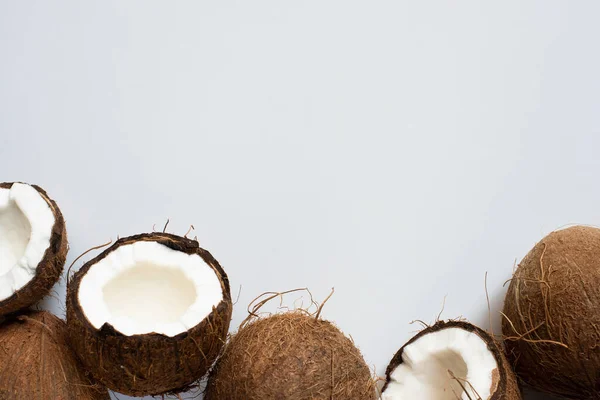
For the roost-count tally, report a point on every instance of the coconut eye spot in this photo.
(15, 231)
(449, 364)
(147, 287)
(149, 293)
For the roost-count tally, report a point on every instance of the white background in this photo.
(393, 150)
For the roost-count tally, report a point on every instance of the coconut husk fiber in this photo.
(504, 382)
(49, 270)
(552, 315)
(291, 356)
(37, 363)
(149, 364)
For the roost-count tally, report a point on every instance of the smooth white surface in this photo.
(147, 287)
(424, 373)
(396, 150)
(26, 223)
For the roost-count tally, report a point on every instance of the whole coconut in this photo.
(552, 315)
(290, 356)
(37, 363)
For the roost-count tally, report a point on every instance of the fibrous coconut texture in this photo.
(33, 245)
(450, 360)
(290, 356)
(552, 315)
(150, 314)
(37, 363)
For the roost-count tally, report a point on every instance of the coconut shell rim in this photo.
(58, 236)
(189, 246)
(491, 343)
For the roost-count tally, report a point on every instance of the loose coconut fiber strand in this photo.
(37, 364)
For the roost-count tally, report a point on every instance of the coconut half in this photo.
(33, 245)
(37, 363)
(150, 314)
(449, 361)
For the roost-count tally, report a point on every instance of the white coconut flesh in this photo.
(436, 365)
(147, 287)
(26, 222)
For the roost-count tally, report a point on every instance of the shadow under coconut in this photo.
(191, 395)
(529, 394)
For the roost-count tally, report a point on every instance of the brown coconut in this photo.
(50, 268)
(290, 356)
(37, 363)
(451, 385)
(552, 315)
(152, 363)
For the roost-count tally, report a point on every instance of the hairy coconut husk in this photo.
(290, 356)
(37, 363)
(503, 379)
(49, 270)
(552, 315)
(149, 364)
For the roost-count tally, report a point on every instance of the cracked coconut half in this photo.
(33, 245)
(150, 314)
(449, 361)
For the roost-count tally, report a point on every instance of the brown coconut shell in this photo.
(37, 363)
(504, 382)
(49, 270)
(290, 356)
(149, 364)
(552, 309)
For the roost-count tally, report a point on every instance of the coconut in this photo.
(450, 360)
(150, 314)
(37, 363)
(552, 315)
(292, 356)
(33, 245)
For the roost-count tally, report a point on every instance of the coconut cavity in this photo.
(151, 295)
(449, 361)
(290, 356)
(552, 315)
(15, 232)
(33, 245)
(156, 306)
(37, 363)
(145, 287)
